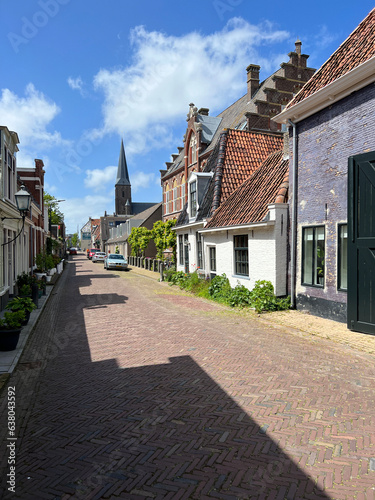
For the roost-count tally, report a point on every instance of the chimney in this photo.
(298, 47)
(252, 79)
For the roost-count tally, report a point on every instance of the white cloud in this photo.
(98, 178)
(30, 116)
(140, 180)
(75, 83)
(143, 100)
(77, 210)
(324, 38)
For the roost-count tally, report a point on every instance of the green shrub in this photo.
(220, 288)
(240, 296)
(263, 298)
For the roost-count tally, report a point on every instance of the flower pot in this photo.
(40, 293)
(27, 317)
(9, 339)
(51, 272)
(39, 276)
(48, 278)
(35, 293)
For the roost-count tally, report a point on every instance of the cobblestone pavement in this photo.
(130, 389)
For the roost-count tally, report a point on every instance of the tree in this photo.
(164, 237)
(74, 240)
(54, 214)
(138, 239)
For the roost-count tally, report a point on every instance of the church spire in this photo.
(122, 170)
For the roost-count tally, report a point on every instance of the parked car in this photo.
(98, 257)
(72, 251)
(115, 261)
(92, 251)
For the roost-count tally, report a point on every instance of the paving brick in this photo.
(140, 395)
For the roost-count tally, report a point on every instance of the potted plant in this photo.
(22, 304)
(24, 291)
(49, 265)
(10, 329)
(40, 261)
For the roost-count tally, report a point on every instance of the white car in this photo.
(115, 261)
(98, 257)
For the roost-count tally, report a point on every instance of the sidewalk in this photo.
(9, 359)
(301, 323)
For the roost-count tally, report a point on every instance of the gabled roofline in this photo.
(354, 80)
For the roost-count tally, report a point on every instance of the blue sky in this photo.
(79, 75)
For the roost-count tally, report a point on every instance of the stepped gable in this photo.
(249, 202)
(358, 48)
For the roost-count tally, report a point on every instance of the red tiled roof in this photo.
(244, 153)
(249, 202)
(358, 48)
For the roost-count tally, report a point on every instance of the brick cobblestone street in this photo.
(131, 389)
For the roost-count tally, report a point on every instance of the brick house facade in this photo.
(332, 122)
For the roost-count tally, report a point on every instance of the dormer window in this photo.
(197, 186)
(193, 199)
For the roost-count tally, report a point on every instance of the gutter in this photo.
(252, 225)
(294, 220)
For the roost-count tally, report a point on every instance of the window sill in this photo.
(312, 286)
(241, 276)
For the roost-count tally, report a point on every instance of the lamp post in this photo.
(23, 200)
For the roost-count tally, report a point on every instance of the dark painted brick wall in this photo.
(325, 141)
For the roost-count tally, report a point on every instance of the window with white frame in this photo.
(193, 198)
(199, 251)
(313, 255)
(212, 252)
(181, 250)
(241, 255)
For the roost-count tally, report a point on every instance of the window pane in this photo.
(343, 257)
(193, 199)
(320, 256)
(199, 251)
(308, 248)
(180, 250)
(241, 255)
(212, 258)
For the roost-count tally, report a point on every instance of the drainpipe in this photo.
(294, 221)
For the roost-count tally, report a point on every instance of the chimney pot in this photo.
(252, 79)
(298, 44)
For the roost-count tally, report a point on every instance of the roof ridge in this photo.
(296, 99)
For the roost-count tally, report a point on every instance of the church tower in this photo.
(123, 190)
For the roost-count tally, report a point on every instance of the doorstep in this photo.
(9, 359)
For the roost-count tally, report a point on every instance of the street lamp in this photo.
(23, 200)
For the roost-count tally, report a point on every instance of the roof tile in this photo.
(358, 48)
(249, 202)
